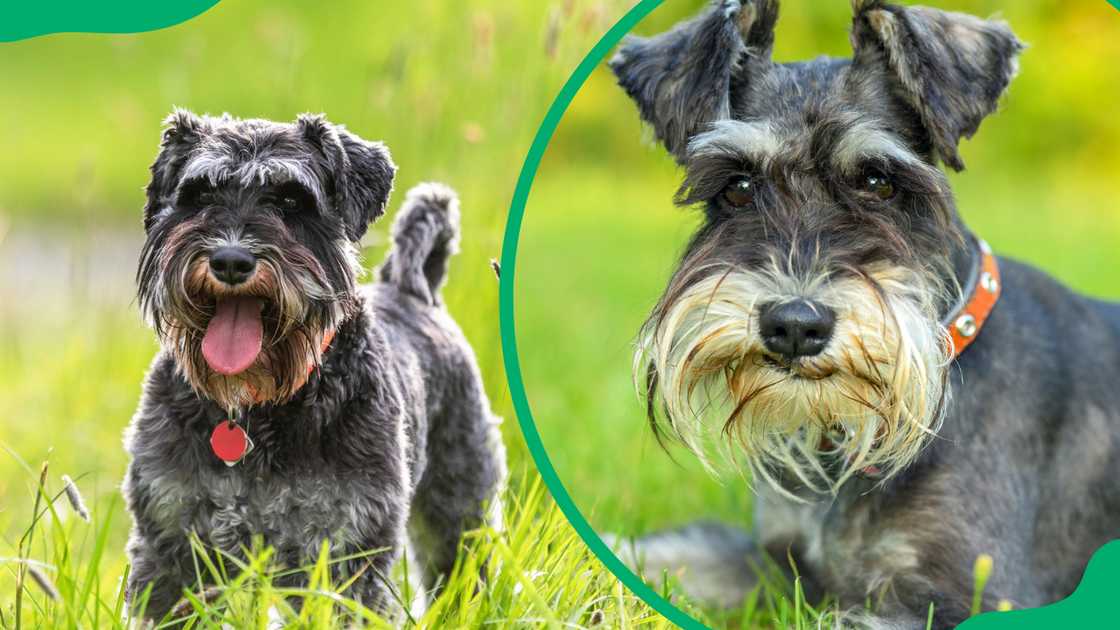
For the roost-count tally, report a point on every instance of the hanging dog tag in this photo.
(230, 442)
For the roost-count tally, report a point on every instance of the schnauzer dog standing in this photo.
(288, 402)
(834, 327)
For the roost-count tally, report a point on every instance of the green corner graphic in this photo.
(20, 19)
(1085, 608)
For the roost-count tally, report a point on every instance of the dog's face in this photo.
(804, 322)
(250, 257)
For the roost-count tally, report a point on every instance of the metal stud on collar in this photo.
(989, 283)
(966, 325)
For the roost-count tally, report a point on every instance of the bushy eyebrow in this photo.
(727, 149)
(258, 171)
(755, 140)
(840, 144)
(862, 141)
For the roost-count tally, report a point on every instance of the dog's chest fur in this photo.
(319, 465)
(292, 512)
(849, 543)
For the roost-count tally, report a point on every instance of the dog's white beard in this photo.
(872, 398)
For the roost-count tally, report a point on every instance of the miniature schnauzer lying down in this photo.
(288, 402)
(833, 326)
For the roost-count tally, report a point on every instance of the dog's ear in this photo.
(367, 184)
(363, 171)
(684, 79)
(182, 131)
(950, 68)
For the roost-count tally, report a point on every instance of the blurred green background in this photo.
(600, 236)
(455, 89)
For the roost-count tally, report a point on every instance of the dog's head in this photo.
(804, 322)
(251, 257)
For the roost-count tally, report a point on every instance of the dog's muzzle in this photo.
(822, 378)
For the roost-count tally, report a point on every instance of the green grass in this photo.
(456, 90)
(535, 571)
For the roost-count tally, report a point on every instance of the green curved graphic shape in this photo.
(20, 19)
(1085, 608)
(1087, 601)
(509, 337)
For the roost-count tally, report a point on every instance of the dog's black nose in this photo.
(796, 329)
(232, 265)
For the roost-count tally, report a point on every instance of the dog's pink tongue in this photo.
(233, 337)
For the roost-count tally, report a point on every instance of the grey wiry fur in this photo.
(392, 432)
(425, 235)
(683, 79)
(1008, 450)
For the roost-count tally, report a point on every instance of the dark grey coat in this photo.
(392, 432)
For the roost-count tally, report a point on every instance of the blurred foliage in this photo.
(600, 236)
(456, 90)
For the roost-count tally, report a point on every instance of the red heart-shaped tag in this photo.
(229, 442)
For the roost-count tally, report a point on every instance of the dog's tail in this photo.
(425, 235)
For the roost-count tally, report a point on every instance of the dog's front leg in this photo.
(372, 580)
(155, 581)
(158, 552)
(365, 574)
(860, 618)
(374, 538)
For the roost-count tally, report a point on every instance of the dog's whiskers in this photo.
(706, 342)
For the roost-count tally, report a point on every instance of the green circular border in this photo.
(517, 386)
(509, 338)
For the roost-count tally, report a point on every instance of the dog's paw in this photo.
(708, 562)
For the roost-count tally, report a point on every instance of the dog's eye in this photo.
(879, 185)
(197, 195)
(739, 193)
(290, 198)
